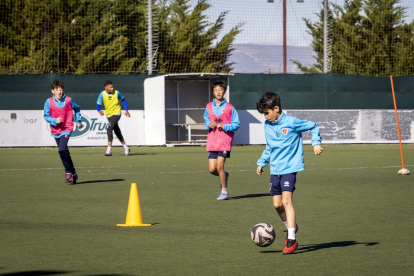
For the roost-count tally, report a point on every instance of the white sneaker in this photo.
(108, 153)
(127, 151)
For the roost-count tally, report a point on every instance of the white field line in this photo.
(251, 170)
(187, 172)
(105, 167)
(46, 169)
(140, 173)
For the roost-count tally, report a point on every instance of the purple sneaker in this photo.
(73, 179)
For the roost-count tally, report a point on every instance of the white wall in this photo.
(336, 126)
(154, 105)
(30, 129)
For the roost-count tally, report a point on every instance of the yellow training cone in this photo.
(133, 217)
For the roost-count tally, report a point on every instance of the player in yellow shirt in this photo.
(110, 99)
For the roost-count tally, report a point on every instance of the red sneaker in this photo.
(290, 247)
(296, 230)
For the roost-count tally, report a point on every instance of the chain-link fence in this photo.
(360, 37)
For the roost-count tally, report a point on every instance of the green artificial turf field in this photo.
(354, 211)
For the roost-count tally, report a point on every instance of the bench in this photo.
(189, 127)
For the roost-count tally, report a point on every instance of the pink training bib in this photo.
(219, 140)
(66, 125)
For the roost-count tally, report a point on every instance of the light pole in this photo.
(284, 34)
(284, 39)
(325, 37)
(149, 58)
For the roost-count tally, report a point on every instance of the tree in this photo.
(23, 30)
(186, 39)
(369, 37)
(109, 36)
(114, 37)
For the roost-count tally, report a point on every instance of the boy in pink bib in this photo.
(221, 120)
(58, 113)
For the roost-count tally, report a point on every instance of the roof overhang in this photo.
(195, 76)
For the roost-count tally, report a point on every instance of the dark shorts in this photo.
(215, 154)
(282, 183)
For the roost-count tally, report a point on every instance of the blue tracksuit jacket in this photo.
(61, 104)
(284, 147)
(218, 110)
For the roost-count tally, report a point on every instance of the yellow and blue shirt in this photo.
(111, 103)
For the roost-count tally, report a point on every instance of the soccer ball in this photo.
(263, 234)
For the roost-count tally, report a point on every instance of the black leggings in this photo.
(113, 126)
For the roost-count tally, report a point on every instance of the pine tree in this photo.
(104, 41)
(9, 42)
(109, 36)
(369, 37)
(24, 31)
(347, 45)
(186, 41)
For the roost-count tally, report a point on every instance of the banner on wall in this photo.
(336, 126)
(92, 133)
(27, 128)
(360, 126)
(20, 128)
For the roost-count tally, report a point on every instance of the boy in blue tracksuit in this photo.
(58, 112)
(222, 121)
(284, 151)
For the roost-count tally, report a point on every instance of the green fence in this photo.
(29, 92)
(323, 91)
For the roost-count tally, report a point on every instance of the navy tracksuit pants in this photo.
(62, 143)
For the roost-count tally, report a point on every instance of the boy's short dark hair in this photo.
(268, 101)
(57, 83)
(108, 82)
(219, 83)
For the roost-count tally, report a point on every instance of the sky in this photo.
(263, 21)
